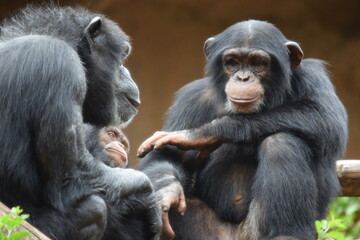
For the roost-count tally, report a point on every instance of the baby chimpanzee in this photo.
(108, 144)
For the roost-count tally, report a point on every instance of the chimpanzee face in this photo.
(252, 63)
(245, 69)
(112, 96)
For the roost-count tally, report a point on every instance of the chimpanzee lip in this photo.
(244, 100)
(122, 151)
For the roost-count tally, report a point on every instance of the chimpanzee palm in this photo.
(61, 68)
(263, 130)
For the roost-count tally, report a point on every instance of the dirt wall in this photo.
(168, 36)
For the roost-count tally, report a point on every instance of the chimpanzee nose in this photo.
(243, 77)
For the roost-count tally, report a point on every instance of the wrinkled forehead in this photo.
(243, 52)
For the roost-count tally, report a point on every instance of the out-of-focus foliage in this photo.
(9, 224)
(343, 222)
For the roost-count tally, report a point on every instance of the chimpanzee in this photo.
(116, 146)
(108, 144)
(61, 68)
(262, 131)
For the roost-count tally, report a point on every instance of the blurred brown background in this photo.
(168, 35)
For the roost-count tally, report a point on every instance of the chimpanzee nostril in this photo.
(242, 77)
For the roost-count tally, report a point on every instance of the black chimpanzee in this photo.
(61, 68)
(263, 131)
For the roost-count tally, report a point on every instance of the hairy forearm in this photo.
(163, 171)
(306, 121)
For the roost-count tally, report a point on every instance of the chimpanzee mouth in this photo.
(135, 103)
(244, 100)
(120, 151)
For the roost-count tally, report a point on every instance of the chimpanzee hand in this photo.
(170, 196)
(181, 139)
(131, 193)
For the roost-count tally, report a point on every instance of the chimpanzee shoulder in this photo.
(199, 96)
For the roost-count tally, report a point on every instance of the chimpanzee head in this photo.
(111, 94)
(252, 62)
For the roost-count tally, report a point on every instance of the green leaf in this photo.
(10, 222)
(5, 219)
(318, 226)
(18, 235)
(16, 210)
(337, 224)
(335, 235)
(14, 223)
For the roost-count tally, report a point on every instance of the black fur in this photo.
(281, 159)
(58, 71)
(92, 142)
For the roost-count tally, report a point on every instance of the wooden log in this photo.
(349, 176)
(35, 234)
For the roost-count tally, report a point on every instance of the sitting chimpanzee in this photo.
(61, 68)
(108, 144)
(263, 131)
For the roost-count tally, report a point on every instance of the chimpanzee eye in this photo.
(232, 65)
(258, 64)
(111, 134)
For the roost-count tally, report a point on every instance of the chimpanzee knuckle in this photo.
(150, 142)
(125, 181)
(160, 136)
(92, 213)
(159, 133)
(166, 202)
(162, 141)
(142, 181)
(137, 175)
(158, 144)
(174, 188)
(93, 206)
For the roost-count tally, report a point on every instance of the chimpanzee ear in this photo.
(93, 29)
(207, 45)
(127, 49)
(295, 53)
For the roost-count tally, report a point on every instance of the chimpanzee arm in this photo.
(316, 116)
(167, 161)
(169, 181)
(308, 120)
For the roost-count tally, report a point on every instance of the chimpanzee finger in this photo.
(167, 233)
(182, 204)
(175, 139)
(167, 201)
(149, 143)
